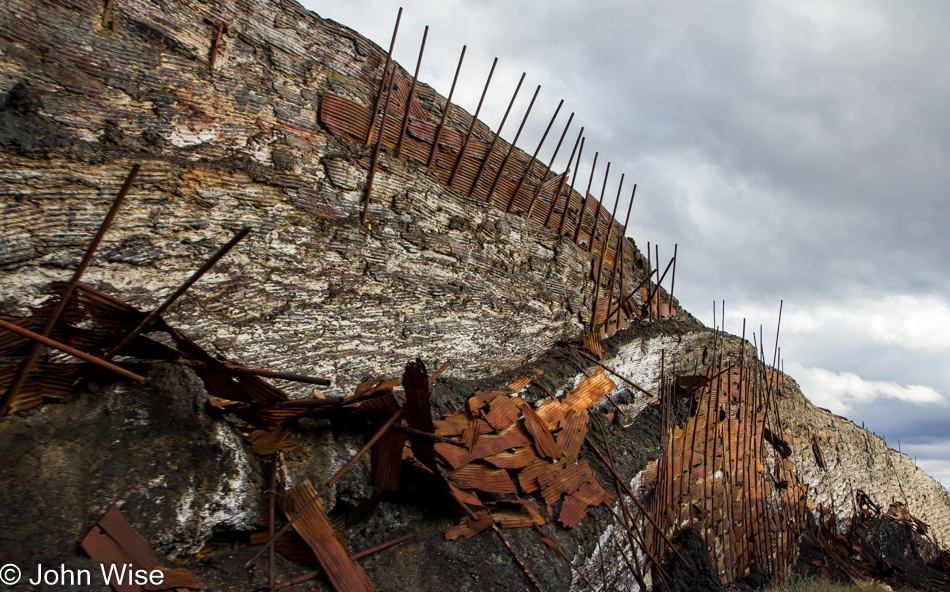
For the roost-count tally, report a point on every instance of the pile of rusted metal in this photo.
(893, 547)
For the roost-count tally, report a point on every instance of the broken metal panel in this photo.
(503, 412)
(571, 437)
(544, 442)
(386, 459)
(483, 478)
(113, 541)
(314, 528)
(590, 390)
(517, 459)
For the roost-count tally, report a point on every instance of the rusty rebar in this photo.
(471, 128)
(534, 158)
(673, 279)
(618, 258)
(219, 29)
(570, 192)
(445, 111)
(580, 221)
(376, 149)
(511, 148)
(412, 92)
(107, 15)
(603, 252)
(600, 207)
(69, 350)
(10, 396)
(153, 316)
(310, 575)
(491, 147)
(339, 474)
(557, 192)
(382, 81)
(272, 506)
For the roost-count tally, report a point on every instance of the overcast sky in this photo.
(794, 150)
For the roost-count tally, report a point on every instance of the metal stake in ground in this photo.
(491, 147)
(412, 92)
(471, 128)
(382, 81)
(11, 394)
(445, 111)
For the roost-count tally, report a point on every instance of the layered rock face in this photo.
(434, 274)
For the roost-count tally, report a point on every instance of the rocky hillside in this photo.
(255, 114)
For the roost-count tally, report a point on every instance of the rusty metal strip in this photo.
(503, 412)
(471, 128)
(603, 253)
(511, 149)
(570, 192)
(313, 526)
(483, 478)
(412, 93)
(377, 148)
(534, 158)
(514, 437)
(445, 111)
(71, 351)
(491, 147)
(310, 575)
(219, 29)
(571, 437)
(544, 442)
(580, 221)
(382, 80)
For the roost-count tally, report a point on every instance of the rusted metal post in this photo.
(491, 147)
(107, 15)
(618, 256)
(412, 92)
(511, 148)
(376, 149)
(14, 390)
(219, 29)
(355, 556)
(270, 517)
(339, 474)
(603, 251)
(471, 128)
(580, 221)
(557, 192)
(445, 111)
(600, 207)
(69, 350)
(153, 316)
(534, 157)
(673, 280)
(570, 192)
(382, 81)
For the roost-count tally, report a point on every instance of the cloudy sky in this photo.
(793, 150)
